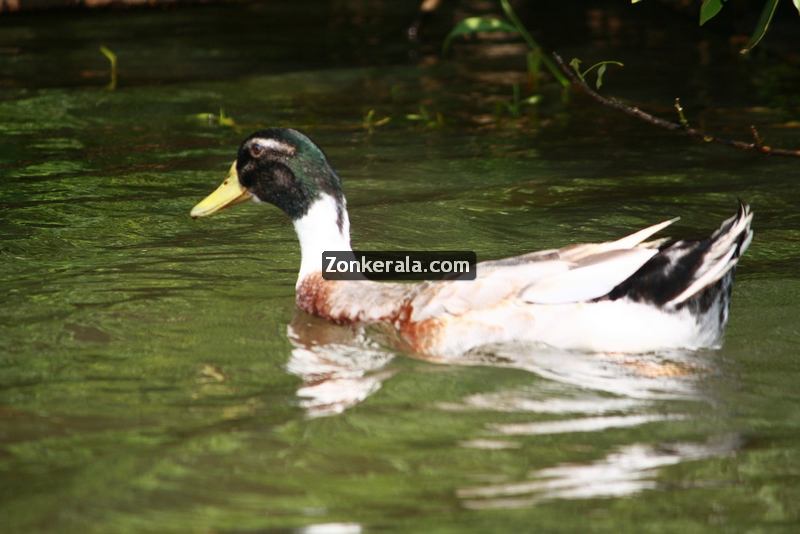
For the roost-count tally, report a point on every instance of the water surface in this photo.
(155, 375)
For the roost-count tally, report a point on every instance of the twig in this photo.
(757, 145)
(681, 116)
(756, 137)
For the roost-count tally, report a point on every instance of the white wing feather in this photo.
(571, 274)
(589, 280)
(492, 285)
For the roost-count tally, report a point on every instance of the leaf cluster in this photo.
(711, 8)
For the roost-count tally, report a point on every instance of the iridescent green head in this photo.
(280, 166)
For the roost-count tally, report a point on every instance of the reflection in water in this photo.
(591, 393)
(664, 375)
(583, 424)
(339, 366)
(588, 392)
(331, 528)
(627, 470)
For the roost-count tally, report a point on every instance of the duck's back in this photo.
(643, 297)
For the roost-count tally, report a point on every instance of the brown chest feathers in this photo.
(313, 296)
(347, 302)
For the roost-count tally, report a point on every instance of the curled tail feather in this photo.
(682, 270)
(728, 244)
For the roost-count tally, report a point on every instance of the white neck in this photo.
(318, 231)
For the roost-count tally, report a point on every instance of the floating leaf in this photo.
(225, 120)
(370, 122)
(709, 9)
(211, 373)
(474, 25)
(210, 118)
(762, 26)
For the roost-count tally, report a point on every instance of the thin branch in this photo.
(681, 116)
(757, 145)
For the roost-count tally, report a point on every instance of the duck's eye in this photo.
(257, 150)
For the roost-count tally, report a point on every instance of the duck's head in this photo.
(279, 166)
(284, 167)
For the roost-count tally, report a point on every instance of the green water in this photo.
(155, 376)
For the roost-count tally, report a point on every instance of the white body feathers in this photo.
(627, 295)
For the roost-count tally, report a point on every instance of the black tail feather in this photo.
(685, 270)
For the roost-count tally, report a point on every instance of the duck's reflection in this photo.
(583, 392)
(664, 375)
(589, 393)
(625, 471)
(339, 366)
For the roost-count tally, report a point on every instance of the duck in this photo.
(631, 295)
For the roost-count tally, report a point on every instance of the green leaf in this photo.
(601, 67)
(552, 68)
(370, 122)
(709, 10)
(111, 56)
(112, 59)
(224, 120)
(205, 117)
(762, 26)
(534, 58)
(474, 25)
(575, 63)
(797, 5)
(600, 72)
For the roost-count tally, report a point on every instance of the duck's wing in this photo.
(572, 274)
(637, 239)
(589, 278)
(491, 286)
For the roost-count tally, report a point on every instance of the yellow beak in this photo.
(229, 192)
